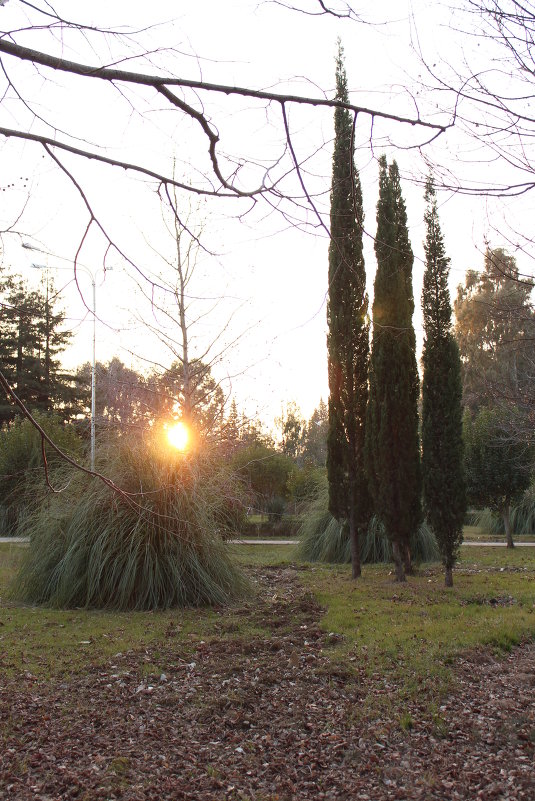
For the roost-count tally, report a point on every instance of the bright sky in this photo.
(270, 275)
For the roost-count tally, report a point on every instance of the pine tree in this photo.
(348, 333)
(31, 339)
(442, 445)
(392, 447)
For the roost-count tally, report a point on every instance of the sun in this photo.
(178, 436)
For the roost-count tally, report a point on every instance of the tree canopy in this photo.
(495, 329)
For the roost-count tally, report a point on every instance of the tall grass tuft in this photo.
(522, 517)
(157, 547)
(324, 539)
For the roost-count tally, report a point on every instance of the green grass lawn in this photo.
(476, 533)
(409, 632)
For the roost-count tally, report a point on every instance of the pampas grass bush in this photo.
(157, 544)
(323, 539)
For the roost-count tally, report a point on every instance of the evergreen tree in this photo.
(315, 440)
(442, 446)
(348, 333)
(498, 468)
(495, 329)
(31, 339)
(392, 447)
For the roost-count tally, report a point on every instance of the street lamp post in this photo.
(92, 277)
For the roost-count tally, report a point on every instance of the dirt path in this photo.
(264, 719)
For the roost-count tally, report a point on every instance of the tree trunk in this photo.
(506, 514)
(407, 561)
(354, 539)
(448, 577)
(400, 573)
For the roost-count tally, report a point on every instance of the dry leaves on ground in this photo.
(265, 719)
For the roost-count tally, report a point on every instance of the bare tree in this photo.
(50, 61)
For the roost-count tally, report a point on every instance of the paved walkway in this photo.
(472, 543)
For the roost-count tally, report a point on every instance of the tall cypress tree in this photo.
(392, 446)
(348, 334)
(442, 423)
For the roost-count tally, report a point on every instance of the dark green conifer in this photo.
(348, 335)
(392, 446)
(442, 423)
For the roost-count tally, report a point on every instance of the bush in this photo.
(324, 539)
(157, 545)
(21, 462)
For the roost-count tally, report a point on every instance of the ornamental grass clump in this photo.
(156, 544)
(522, 517)
(324, 539)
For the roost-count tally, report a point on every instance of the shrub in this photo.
(324, 539)
(157, 545)
(21, 461)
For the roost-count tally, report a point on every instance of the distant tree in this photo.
(292, 427)
(32, 335)
(392, 446)
(495, 329)
(315, 436)
(231, 430)
(124, 401)
(266, 472)
(442, 427)
(498, 468)
(348, 333)
(193, 395)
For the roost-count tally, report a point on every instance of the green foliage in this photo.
(304, 483)
(21, 461)
(31, 339)
(497, 467)
(348, 330)
(315, 437)
(495, 329)
(123, 398)
(265, 472)
(392, 447)
(522, 517)
(157, 545)
(442, 445)
(324, 539)
(292, 427)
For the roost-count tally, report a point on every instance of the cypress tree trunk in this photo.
(506, 514)
(448, 577)
(354, 540)
(407, 560)
(398, 562)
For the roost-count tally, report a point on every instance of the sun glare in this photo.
(178, 436)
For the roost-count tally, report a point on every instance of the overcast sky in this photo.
(270, 274)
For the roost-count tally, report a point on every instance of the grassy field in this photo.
(312, 671)
(416, 629)
(475, 534)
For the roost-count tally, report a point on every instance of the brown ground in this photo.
(264, 719)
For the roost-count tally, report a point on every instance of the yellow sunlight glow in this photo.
(178, 436)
